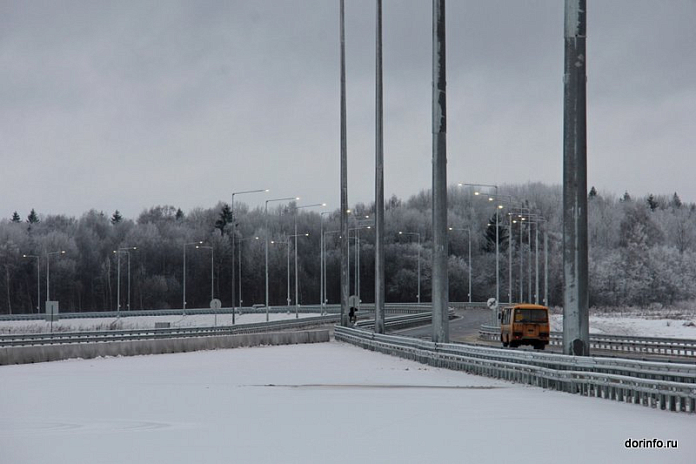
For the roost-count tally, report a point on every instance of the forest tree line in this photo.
(642, 252)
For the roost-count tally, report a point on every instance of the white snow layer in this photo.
(321, 403)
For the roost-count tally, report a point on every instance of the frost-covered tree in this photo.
(224, 218)
(116, 217)
(33, 218)
(676, 201)
(636, 214)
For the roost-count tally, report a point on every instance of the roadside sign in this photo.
(215, 304)
(51, 311)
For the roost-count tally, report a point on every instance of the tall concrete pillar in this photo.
(440, 285)
(576, 337)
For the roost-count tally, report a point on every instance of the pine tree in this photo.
(490, 235)
(626, 197)
(676, 201)
(593, 193)
(15, 218)
(116, 217)
(33, 218)
(179, 214)
(652, 202)
(225, 218)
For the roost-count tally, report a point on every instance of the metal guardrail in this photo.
(393, 322)
(681, 347)
(402, 322)
(664, 386)
(149, 334)
(390, 308)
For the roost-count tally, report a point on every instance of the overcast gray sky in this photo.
(130, 104)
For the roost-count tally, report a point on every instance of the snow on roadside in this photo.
(635, 326)
(140, 322)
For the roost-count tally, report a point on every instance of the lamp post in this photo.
(419, 265)
(468, 231)
(296, 274)
(212, 274)
(118, 278)
(234, 231)
(536, 219)
(521, 218)
(38, 284)
(322, 272)
(356, 264)
(184, 293)
(297, 301)
(48, 271)
(511, 201)
(329, 232)
(300, 235)
(266, 241)
(286, 243)
(212, 267)
(240, 271)
(497, 239)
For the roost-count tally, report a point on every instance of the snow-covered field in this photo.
(635, 326)
(144, 322)
(630, 324)
(328, 402)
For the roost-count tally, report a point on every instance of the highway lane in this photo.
(464, 328)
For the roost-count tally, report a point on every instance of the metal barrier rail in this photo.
(393, 322)
(403, 308)
(682, 347)
(145, 334)
(572, 374)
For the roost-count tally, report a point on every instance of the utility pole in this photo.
(440, 286)
(576, 337)
(345, 290)
(379, 183)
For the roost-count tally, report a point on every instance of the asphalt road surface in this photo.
(464, 328)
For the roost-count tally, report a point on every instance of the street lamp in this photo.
(356, 265)
(234, 231)
(361, 222)
(322, 272)
(118, 273)
(328, 232)
(521, 219)
(497, 239)
(38, 285)
(299, 235)
(48, 271)
(296, 274)
(536, 219)
(510, 200)
(240, 271)
(419, 260)
(212, 275)
(286, 243)
(185, 245)
(468, 231)
(266, 241)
